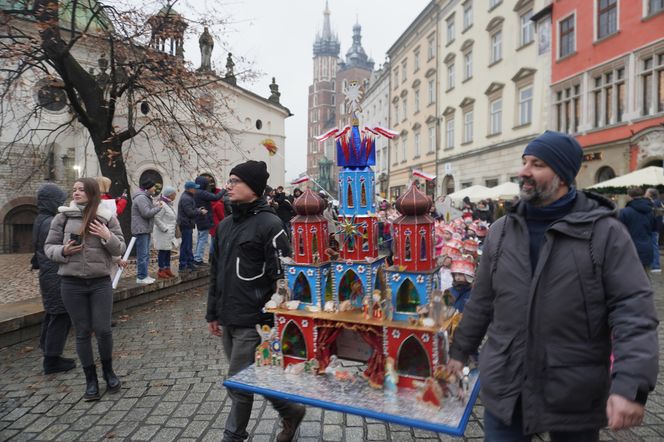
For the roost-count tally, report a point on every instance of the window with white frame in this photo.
(395, 156)
(468, 65)
(416, 61)
(396, 78)
(315, 100)
(396, 112)
(494, 3)
(652, 84)
(432, 91)
(450, 76)
(608, 97)
(416, 144)
(431, 130)
(404, 70)
(468, 126)
(496, 116)
(525, 105)
(404, 147)
(467, 14)
(496, 46)
(417, 100)
(450, 29)
(404, 108)
(449, 133)
(567, 36)
(607, 17)
(654, 6)
(431, 47)
(567, 108)
(384, 158)
(527, 33)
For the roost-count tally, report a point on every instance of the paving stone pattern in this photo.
(170, 368)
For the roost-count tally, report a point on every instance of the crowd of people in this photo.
(542, 279)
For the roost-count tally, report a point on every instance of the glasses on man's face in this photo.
(233, 181)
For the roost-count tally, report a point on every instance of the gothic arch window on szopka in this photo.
(349, 196)
(292, 341)
(302, 289)
(407, 298)
(378, 282)
(396, 243)
(314, 239)
(363, 194)
(350, 242)
(300, 241)
(412, 359)
(408, 252)
(351, 287)
(423, 245)
(365, 239)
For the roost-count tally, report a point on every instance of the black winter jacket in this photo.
(550, 335)
(245, 265)
(204, 200)
(49, 198)
(187, 211)
(639, 217)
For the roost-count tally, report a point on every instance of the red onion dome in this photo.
(413, 202)
(309, 203)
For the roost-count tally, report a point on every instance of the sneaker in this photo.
(656, 271)
(146, 280)
(291, 424)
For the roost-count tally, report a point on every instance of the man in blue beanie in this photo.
(552, 297)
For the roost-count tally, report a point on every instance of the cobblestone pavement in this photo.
(170, 368)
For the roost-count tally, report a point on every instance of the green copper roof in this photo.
(84, 14)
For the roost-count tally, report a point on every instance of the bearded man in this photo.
(559, 289)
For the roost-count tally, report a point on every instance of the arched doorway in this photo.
(18, 229)
(448, 184)
(604, 173)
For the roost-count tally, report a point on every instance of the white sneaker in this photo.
(656, 271)
(146, 280)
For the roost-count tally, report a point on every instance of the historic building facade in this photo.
(413, 101)
(494, 67)
(607, 83)
(249, 118)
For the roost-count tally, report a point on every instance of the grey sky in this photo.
(277, 35)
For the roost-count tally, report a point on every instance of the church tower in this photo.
(322, 104)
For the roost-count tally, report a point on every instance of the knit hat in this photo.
(147, 183)
(560, 152)
(254, 174)
(168, 190)
(191, 185)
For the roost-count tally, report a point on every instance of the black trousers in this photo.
(54, 331)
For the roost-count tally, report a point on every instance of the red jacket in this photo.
(217, 214)
(120, 203)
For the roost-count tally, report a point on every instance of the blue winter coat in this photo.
(639, 218)
(204, 200)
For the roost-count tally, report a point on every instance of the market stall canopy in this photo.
(648, 176)
(469, 192)
(505, 191)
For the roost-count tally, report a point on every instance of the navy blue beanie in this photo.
(560, 152)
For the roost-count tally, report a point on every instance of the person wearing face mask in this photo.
(164, 232)
(551, 296)
(83, 238)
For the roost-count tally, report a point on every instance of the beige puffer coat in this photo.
(95, 259)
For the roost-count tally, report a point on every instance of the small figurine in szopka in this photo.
(268, 352)
(376, 306)
(366, 307)
(391, 379)
(463, 271)
(431, 393)
(283, 290)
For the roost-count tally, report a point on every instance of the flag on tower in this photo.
(300, 180)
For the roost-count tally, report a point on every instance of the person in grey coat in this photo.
(56, 322)
(143, 211)
(559, 289)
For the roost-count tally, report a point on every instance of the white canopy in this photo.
(505, 191)
(648, 176)
(469, 192)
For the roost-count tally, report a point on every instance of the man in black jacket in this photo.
(187, 213)
(559, 290)
(244, 267)
(204, 221)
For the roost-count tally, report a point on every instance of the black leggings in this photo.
(90, 303)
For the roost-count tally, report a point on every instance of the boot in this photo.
(57, 364)
(112, 382)
(91, 384)
(170, 274)
(291, 424)
(161, 274)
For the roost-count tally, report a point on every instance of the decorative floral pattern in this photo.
(305, 323)
(310, 272)
(396, 277)
(360, 269)
(291, 270)
(282, 320)
(420, 279)
(425, 337)
(339, 268)
(396, 334)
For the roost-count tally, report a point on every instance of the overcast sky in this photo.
(277, 35)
